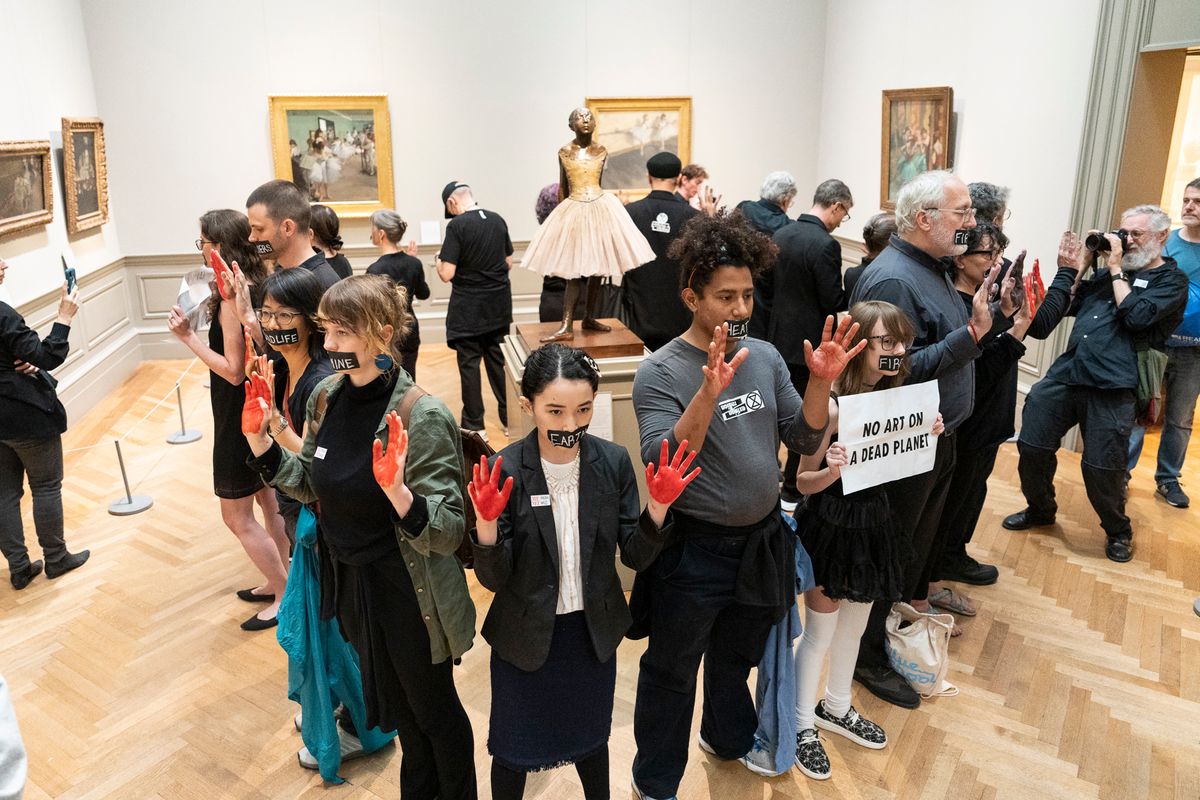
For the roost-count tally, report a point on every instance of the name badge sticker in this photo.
(320, 453)
(1140, 283)
(539, 500)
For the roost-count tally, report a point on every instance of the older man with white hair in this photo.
(1130, 306)
(933, 212)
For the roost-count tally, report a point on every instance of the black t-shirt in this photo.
(478, 244)
(651, 292)
(318, 266)
(357, 519)
(341, 265)
(409, 272)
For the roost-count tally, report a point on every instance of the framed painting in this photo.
(85, 173)
(337, 149)
(916, 137)
(26, 186)
(635, 128)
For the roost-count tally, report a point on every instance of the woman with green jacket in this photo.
(391, 518)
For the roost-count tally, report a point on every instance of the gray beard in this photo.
(1137, 259)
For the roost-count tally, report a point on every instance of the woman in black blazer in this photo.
(546, 544)
(32, 422)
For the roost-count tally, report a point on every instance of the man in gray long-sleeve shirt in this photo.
(730, 574)
(909, 273)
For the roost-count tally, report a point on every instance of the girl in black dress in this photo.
(227, 233)
(405, 269)
(854, 547)
(549, 555)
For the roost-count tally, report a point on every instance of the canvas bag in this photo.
(920, 651)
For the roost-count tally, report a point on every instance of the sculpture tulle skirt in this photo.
(588, 239)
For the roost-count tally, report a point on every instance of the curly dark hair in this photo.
(726, 239)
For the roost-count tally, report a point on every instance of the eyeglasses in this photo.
(845, 208)
(201, 242)
(1007, 214)
(964, 213)
(888, 342)
(992, 254)
(284, 318)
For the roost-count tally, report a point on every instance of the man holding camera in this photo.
(1133, 302)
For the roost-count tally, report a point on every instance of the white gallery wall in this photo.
(1020, 74)
(47, 75)
(479, 91)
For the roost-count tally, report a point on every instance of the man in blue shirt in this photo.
(1183, 361)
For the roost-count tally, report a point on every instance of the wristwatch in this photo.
(283, 426)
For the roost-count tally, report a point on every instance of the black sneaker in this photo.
(810, 755)
(964, 569)
(1174, 496)
(857, 729)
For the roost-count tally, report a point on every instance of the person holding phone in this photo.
(32, 421)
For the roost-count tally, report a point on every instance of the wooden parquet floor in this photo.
(1079, 678)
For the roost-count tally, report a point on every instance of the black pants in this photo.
(42, 461)
(509, 784)
(1105, 419)
(404, 691)
(799, 375)
(917, 503)
(968, 490)
(695, 616)
(408, 361)
(469, 352)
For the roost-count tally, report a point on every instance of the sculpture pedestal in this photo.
(620, 342)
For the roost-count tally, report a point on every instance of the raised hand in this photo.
(718, 373)
(388, 465)
(836, 458)
(486, 495)
(669, 481)
(1035, 290)
(1070, 251)
(831, 357)
(256, 410)
(221, 271)
(251, 363)
(981, 307)
(241, 297)
(177, 323)
(1015, 286)
(412, 248)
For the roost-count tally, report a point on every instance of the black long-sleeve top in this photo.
(29, 406)
(1102, 350)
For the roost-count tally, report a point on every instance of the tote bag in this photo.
(920, 650)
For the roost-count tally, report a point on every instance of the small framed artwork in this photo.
(916, 137)
(337, 149)
(634, 128)
(26, 186)
(85, 173)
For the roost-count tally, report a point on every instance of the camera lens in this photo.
(1096, 243)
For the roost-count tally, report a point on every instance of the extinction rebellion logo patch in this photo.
(741, 405)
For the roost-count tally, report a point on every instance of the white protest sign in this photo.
(887, 434)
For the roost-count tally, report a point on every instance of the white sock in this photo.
(843, 654)
(810, 657)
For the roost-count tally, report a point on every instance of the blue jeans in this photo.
(1183, 386)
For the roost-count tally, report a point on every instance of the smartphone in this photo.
(69, 273)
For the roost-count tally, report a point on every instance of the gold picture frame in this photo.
(915, 137)
(26, 186)
(635, 128)
(85, 173)
(355, 159)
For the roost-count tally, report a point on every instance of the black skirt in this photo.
(559, 714)
(232, 477)
(856, 551)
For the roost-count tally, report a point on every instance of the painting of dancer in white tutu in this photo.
(337, 153)
(632, 129)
